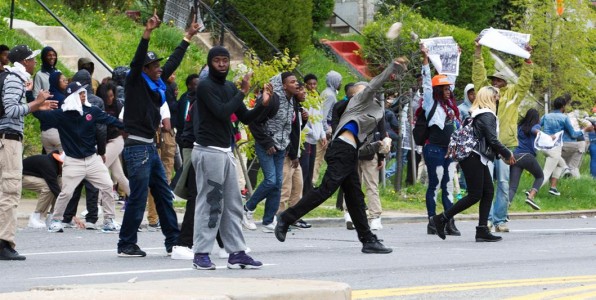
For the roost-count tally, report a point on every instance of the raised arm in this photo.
(478, 71)
(136, 65)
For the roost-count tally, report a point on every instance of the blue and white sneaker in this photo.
(109, 226)
(202, 261)
(240, 260)
(56, 226)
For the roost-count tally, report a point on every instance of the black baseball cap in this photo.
(151, 57)
(21, 52)
(74, 87)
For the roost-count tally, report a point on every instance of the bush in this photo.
(321, 12)
(378, 50)
(99, 4)
(287, 24)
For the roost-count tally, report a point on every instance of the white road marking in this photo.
(127, 272)
(83, 251)
(554, 229)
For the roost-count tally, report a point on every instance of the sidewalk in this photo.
(26, 207)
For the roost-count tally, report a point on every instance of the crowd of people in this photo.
(131, 135)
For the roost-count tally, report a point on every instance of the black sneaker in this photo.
(8, 253)
(554, 191)
(240, 260)
(202, 261)
(373, 245)
(301, 224)
(131, 251)
(533, 204)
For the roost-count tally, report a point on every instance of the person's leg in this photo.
(92, 201)
(164, 201)
(433, 159)
(532, 166)
(487, 196)
(99, 176)
(297, 183)
(354, 199)
(167, 153)
(239, 172)
(575, 161)
(470, 166)
(515, 172)
(319, 158)
(50, 140)
(138, 167)
(449, 169)
(44, 194)
(501, 203)
(269, 180)
(186, 230)
(307, 161)
(286, 186)
(152, 218)
(113, 150)
(550, 164)
(370, 179)
(73, 172)
(341, 161)
(272, 202)
(231, 214)
(11, 173)
(73, 203)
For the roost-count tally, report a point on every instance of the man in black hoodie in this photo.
(145, 93)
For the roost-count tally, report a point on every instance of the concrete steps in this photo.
(68, 48)
(204, 40)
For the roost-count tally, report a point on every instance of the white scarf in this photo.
(73, 101)
(20, 70)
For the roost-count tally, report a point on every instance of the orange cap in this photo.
(440, 80)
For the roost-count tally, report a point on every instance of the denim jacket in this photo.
(557, 121)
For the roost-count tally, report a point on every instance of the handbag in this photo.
(420, 132)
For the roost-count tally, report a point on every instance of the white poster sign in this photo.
(443, 52)
(510, 42)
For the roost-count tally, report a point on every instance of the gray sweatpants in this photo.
(219, 202)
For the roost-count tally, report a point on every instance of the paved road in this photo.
(553, 256)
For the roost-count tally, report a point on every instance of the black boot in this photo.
(430, 228)
(281, 229)
(374, 245)
(7, 253)
(451, 229)
(439, 221)
(483, 235)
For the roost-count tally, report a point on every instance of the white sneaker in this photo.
(90, 226)
(349, 223)
(269, 228)
(56, 226)
(375, 224)
(223, 254)
(182, 253)
(248, 221)
(35, 222)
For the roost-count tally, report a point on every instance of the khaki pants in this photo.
(369, 176)
(553, 165)
(11, 172)
(239, 172)
(45, 198)
(291, 187)
(92, 168)
(113, 150)
(319, 159)
(167, 151)
(572, 153)
(50, 140)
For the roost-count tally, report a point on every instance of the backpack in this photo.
(462, 141)
(420, 131)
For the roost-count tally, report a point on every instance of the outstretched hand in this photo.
(153, 22)
(267, 93)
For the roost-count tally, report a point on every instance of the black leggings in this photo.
(524, 161)
(480, 188)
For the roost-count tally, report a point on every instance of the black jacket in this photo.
(141, 108)
(485, 129)
(294, 145)
(215, 103)
(46, 167)
(258, 127)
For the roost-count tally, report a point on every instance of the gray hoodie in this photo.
(329, 95)
(464, 108)
(281, 124)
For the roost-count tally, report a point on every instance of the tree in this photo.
(321, 12)
(563, 48)
(471, 14)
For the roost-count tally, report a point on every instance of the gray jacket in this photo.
(364, 108)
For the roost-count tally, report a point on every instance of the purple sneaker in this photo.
(202, 262)
(240, 260)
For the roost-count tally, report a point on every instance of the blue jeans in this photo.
(498, 212)
(593, 159)
(145, 171)
(270, 188)
(438, 166)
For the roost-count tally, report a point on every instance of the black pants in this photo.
(91, 197)
(524, 161)
(187, 229)
(307, 163)
(342, 170)
(480, 188)
(253, 172)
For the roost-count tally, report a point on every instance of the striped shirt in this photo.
(15, 107)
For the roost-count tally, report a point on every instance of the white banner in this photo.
(510, 42)
(443, 52)
(545, 141)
